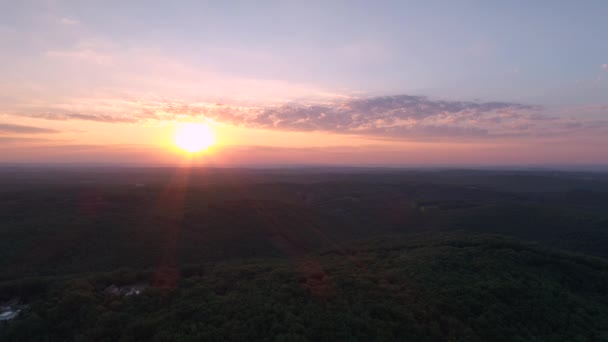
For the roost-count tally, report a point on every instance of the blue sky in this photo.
(549, 51)
(80, 60)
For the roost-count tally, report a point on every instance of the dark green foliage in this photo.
(58, 222)
(438, 288)
(269, 255)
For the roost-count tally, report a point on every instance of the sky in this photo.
(361, 83)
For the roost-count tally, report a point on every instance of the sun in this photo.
(194, 137)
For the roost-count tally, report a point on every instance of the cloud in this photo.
(402, 117)
(11, 140)
(84, 54)
(604, 67)
(86, 117)
(20, 129)
(399, 116)
(69, 21)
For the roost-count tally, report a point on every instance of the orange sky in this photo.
(153, 143)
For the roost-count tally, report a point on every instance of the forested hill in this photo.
(437, 287)
(57, 221)
(302, 255)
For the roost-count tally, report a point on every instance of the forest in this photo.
(161, 254)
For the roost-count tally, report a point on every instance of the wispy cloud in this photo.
(21, 129)
(84, 53)
(19, 140)
(69, 21)
(85, 117)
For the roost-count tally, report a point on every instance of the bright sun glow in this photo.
(194, 137)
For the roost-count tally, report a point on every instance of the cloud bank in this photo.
(401, 116)
(405, 117)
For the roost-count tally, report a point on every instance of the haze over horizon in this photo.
(389, 83)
